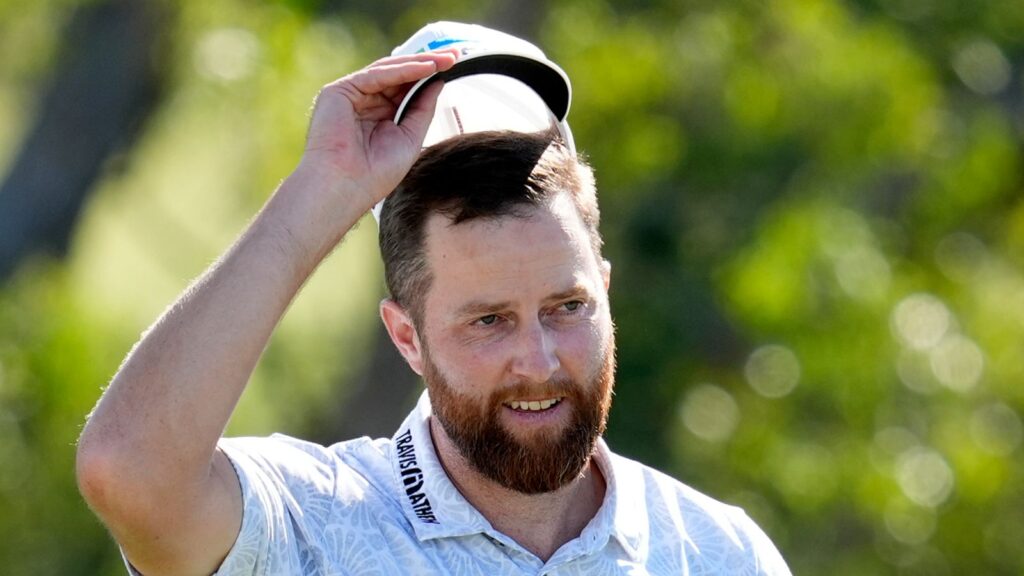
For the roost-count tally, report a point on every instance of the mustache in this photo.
(560, 387)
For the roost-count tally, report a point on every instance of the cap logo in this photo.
(435, 44)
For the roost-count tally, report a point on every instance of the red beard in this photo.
(542, 463)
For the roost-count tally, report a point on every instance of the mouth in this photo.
(534, 405)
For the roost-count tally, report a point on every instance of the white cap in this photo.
(500, 82)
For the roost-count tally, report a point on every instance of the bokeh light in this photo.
(920, 321)
(226, 54)
(773, 371)
(863, 273)
(924, 476)
(710, 413)
(982, 67)
(909, 524)
(958, 363)
(996, 428)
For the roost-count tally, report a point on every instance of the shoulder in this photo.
(707, 529)
(306, 469)
(669, 500)
(279, 450)
(281, 447)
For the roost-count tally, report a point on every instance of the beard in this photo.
(547, 460)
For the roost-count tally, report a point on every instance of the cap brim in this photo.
(546, 79)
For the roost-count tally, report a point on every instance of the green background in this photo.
(813, 209)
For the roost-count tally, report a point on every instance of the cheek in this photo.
(583, 344)
(469, 368)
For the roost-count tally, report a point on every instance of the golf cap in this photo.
(500, 82)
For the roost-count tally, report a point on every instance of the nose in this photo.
(535, 358)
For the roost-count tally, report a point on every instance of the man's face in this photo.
(517, 342)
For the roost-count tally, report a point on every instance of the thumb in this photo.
(421, 111)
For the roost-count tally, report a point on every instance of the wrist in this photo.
(311, 212)
(341, 190)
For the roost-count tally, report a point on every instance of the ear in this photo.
(606, 273)
(403, 333)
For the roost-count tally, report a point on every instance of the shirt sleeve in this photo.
(769, 561)
(287, 487)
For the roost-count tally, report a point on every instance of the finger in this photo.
(392, 70)
(397, 93)
(377, 110)
(443, 58)
(421, 111)
(382, 78)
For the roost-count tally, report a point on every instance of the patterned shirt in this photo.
(388, 507)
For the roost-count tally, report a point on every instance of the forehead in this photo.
(544, 248)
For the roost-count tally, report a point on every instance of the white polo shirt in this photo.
(388, 507)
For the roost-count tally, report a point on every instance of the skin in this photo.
(147, 461)
(514, 303)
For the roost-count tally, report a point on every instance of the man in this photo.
(498, 299)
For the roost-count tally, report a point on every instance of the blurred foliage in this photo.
(814, 210)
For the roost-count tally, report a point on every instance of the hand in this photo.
(352, 136)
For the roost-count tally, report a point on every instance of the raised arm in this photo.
(147, 459)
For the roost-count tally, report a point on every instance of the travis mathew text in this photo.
(412, 478)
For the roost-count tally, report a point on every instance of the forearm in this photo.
(164, 411)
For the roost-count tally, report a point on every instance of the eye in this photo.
(487, 320)
(573, 307)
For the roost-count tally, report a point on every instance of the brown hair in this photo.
(478, 175)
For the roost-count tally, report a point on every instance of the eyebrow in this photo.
(578, 289)
(481, 308)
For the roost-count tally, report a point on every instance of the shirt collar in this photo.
(623, 514)
(433, 505)
(436, 508)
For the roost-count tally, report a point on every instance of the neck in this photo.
(541, 523)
